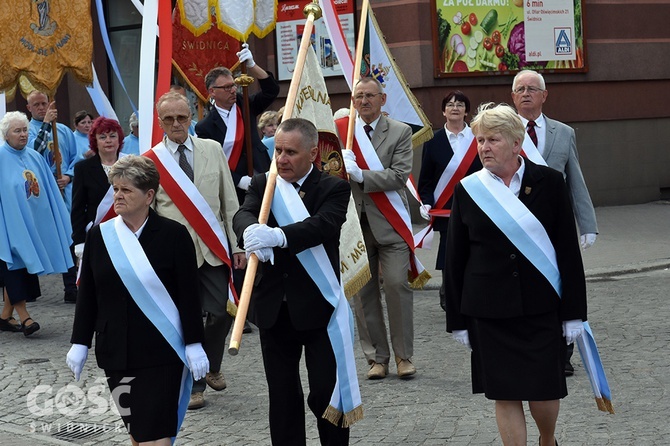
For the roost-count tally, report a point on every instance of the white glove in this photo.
(355, 172)
(263, 254)
(587, 240)
(197, 360)
(423, 210)
(572, 330)
(245, 56)
(244, 182)
(76, 358)
(462, 337)
(263, 236)
(79, 250)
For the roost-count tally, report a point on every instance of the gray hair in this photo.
(172, 96)
(214, 74)
(139, 170)
(500, 118)
(310, 135)
(133, 121)
(370, 80)
(10, 118)
(535, 73)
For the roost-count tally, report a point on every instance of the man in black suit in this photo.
(226, 99)
(288, 307)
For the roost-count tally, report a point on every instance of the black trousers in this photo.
(282, 347)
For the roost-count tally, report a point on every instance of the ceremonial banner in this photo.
(195, 52)
(313, 104)
(378, 62)
(43, 39)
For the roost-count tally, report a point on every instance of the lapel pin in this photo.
(527, 190)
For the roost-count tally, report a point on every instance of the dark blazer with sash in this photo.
(488, 277)
(89, 187)
(436, 154)
(213, 127)
(326, 198)
(124, 336)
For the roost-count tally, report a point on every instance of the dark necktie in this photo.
(531, 132)
(183, 162)
(368, 131)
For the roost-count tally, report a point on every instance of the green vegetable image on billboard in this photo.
(479, 37)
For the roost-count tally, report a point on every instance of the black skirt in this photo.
(19, 283)
(148, 404)
(518, 359)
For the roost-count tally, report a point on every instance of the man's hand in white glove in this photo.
(76, 358)
(245, 56)
(263, 254)
(462, 337)
(423, 210)
(79, 250)
(355, 172)
(263, 236)
(572, 330)
(587, 240)
(197, 360)
(244, 182)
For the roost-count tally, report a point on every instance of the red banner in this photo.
(193, 56)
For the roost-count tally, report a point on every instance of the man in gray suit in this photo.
(387, 251)
(557, 144)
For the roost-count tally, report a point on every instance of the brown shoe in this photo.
(405, 367)
(378, 371)
(197, 401)
(215, 380)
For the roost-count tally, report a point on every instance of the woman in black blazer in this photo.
(516, 319)
(90, 183)
(131, 345)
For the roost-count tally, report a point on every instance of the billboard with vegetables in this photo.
(493, 36)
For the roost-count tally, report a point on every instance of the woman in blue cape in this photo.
(34, 224)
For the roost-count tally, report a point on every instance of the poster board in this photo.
(290, 24)
(488, 37)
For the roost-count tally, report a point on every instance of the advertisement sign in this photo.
(494, 36)
(290, 25)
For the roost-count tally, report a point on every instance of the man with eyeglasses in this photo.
(556, 143)
(224, 122)
(384, 148)
(197, 190)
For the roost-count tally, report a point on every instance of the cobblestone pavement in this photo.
(40, 404)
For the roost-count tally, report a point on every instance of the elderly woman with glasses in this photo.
(446, 159)
(138, 295)
(34, 225)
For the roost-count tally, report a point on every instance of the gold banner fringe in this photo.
(419, 282)
(333, 415)
(231, 308)
(355, 284)
(605, 405)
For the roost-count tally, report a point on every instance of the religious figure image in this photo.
(46, 26)
(32, 185)
(332, 164)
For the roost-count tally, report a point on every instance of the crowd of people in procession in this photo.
(162, 243)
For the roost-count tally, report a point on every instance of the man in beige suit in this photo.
(205, 165)
(388, 253)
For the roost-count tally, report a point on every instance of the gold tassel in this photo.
(605, 405)
(231, 308)
(419, 281)
(354, 285)
(334, 416)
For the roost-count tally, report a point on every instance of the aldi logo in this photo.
(563, 41)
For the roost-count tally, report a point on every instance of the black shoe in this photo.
(29, 329)
(247, 328)
(569, 369)
(6, 325)
(70, 297)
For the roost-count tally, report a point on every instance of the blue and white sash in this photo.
(518, 224)
(150, 295)
(287, 207)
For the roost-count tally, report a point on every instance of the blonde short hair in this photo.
(498, 118)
